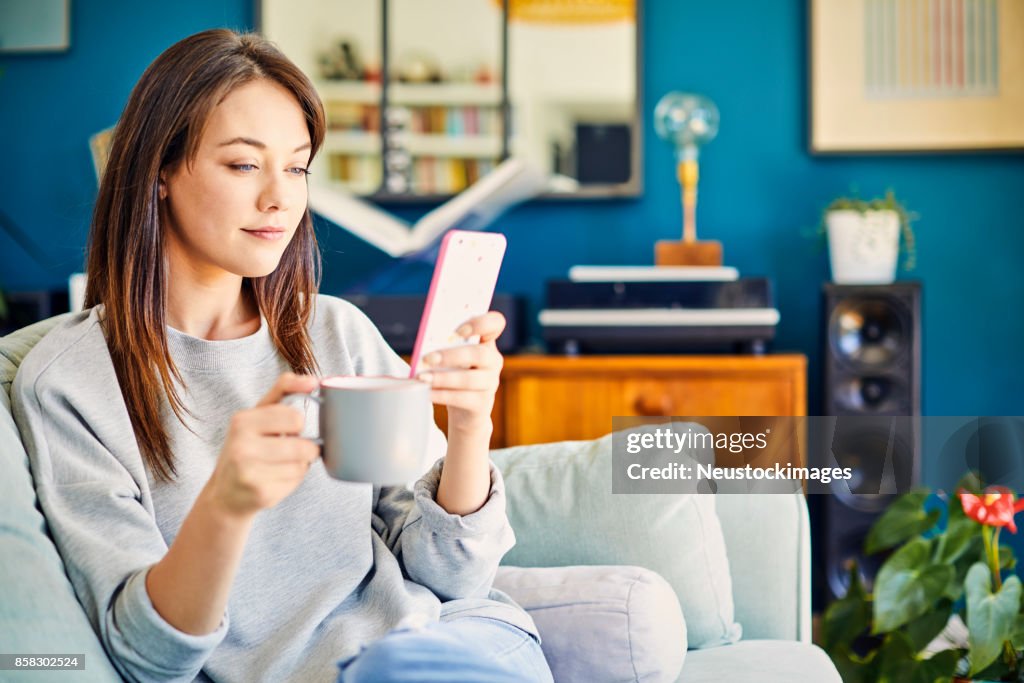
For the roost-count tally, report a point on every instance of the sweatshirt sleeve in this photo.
(103, 530)
(455, 556)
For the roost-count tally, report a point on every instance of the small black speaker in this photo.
(602, 153)
(397, 316)
(25, 308)
(872, 387)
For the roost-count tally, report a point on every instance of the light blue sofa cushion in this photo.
(39, 613)
(760, 661)
(602, 624)
(768, 542)
(564, 513)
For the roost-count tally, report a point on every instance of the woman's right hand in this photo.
(263, 459)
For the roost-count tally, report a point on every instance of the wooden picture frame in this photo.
(915, 75)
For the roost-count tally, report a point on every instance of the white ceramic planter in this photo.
(863, 248)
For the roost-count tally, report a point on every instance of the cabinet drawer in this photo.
(542, 409)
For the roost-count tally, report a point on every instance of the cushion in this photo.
(40, 613)
(602, 624)
(761, 661)
(562, 509)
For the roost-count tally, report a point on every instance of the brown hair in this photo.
(160, 127)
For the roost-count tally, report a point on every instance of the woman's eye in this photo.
(243, 167)
(299, 170)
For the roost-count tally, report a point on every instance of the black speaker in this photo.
(602, 153)
(872, 391)
(25, 308)
(397, 316)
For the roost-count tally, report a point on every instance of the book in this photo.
(653, 274)
(509, 183)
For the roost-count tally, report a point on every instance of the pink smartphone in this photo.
(462, 288)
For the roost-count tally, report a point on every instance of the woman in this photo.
(200, 531)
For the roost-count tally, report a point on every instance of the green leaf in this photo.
(923, 630)
(895, 659)
(975, 552)
(1018, 632)
(898, 662)
(942, 665)
(908, 585)
(1007, 560)
(955, 540)
(991, 617)
(939, 667)
(999, 670)
(848, 617)
(971, 483)
(854, 669)
(904, 519)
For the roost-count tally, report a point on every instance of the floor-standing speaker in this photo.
(872, 389)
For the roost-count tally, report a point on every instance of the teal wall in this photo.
(760, 189)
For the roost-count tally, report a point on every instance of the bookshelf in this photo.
(446, 135)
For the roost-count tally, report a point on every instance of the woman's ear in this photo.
(162, 186)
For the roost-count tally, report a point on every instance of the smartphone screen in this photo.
(462, 288)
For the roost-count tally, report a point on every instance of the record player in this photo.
(659, 316)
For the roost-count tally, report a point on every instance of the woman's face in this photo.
(238, 206)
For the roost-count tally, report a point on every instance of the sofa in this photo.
(765, 538)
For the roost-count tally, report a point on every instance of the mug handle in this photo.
(312, 396)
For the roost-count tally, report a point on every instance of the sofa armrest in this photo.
(768, 542)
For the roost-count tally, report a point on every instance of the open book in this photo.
(511, 182)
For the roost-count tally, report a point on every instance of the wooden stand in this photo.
(688, 251)
(679, 253)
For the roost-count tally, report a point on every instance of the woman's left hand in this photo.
(465, 378)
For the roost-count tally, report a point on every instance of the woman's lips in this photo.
(266, 234)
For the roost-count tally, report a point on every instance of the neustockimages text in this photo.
(679, 471)
(666, 439)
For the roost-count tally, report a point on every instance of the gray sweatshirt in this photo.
(330, 568)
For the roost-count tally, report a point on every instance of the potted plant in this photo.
(864, 239)
(943, 607)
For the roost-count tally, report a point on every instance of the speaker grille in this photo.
(872, 384)
(868, 331)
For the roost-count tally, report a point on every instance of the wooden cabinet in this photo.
(552, 398)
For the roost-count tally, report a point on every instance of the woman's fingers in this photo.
(488, 326)
(270, 419)
(471, 380)
(472, 356)
(288, 383)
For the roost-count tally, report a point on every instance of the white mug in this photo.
(374, 429)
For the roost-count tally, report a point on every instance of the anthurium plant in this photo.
(944, 566)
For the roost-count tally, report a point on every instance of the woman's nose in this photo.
(274, 194)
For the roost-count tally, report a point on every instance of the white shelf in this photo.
(353, 187)
(362, 92)
(352, 142)
(412, 94)
(423, 145)
(444, 94)
(440, 145)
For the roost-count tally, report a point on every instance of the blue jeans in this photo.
(463, 650)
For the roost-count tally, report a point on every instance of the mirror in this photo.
(423, 98)
(445, 108)
(572, 72)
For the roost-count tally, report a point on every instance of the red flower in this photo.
(995, 507)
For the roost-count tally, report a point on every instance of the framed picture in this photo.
(916, 75)
(34, 26)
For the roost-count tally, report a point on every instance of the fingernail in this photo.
(432, 358)
(464, 330)
(426, 377)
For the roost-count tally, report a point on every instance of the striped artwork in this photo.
(931, 48)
